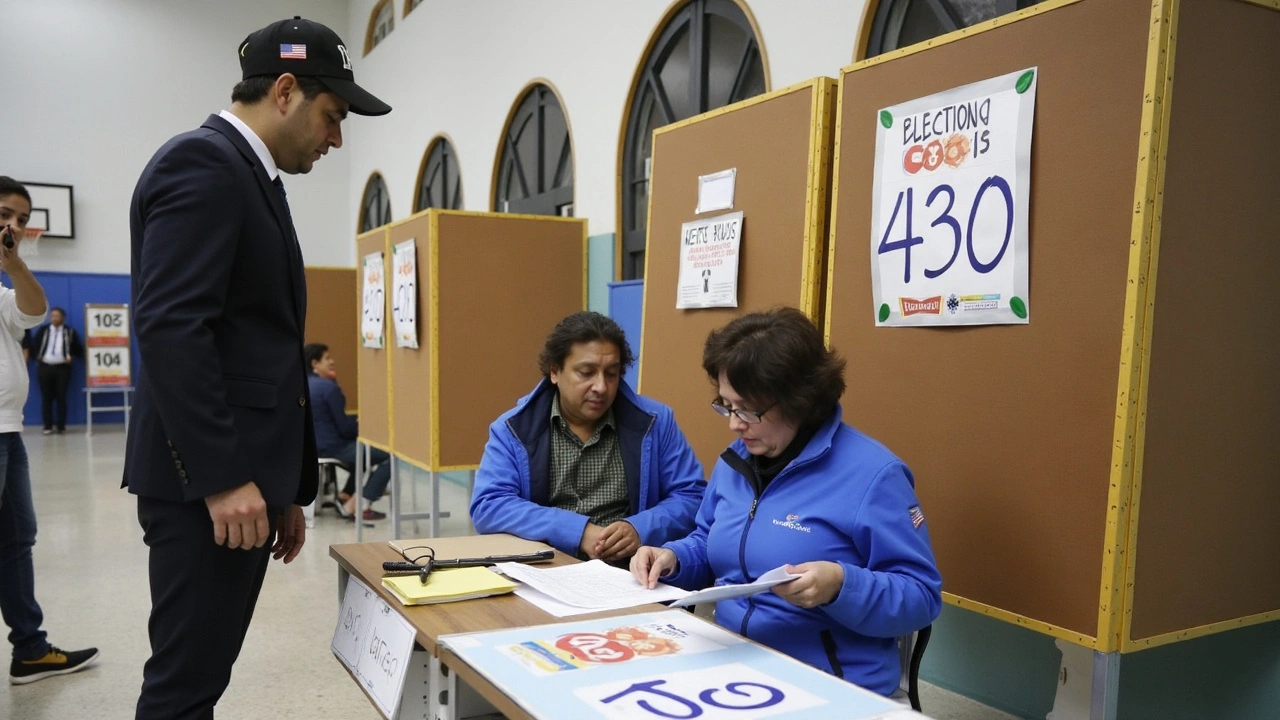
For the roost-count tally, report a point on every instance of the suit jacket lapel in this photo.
(297, 279)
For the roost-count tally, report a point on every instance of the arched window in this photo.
(381, 22)
(535, 158)
(899, 23)
(438, 183)
(375, 206)
(705, 55)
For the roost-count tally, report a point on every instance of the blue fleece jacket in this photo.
(844, 499)
(513, 483)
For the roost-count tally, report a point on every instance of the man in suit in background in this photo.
(55, 345)
(220, 451)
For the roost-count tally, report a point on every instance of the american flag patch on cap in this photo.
(917, 517)
(293, 52)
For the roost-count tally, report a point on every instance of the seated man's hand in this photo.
(617, 542)
(590, 537)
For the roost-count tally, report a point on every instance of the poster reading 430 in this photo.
(949, 206)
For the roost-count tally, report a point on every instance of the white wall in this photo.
(458, 67)
(92, 88)
(103, 83)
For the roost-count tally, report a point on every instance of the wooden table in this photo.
(364, 561)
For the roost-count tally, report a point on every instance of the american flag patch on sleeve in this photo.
(917, 517)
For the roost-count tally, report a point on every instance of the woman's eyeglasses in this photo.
(750, 417)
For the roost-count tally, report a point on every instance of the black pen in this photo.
(399, 567)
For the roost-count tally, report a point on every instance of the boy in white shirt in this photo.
(21, 308)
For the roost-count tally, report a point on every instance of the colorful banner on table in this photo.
(949, 206)
(404, 292)
(656, 665)
(373, 302)
(106, 339)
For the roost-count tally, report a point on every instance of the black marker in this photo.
(8, 238)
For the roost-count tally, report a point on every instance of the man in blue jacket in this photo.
(583, 463)
(336, 432)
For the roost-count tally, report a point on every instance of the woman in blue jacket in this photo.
(802, 489)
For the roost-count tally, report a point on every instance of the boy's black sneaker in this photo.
(55, 662)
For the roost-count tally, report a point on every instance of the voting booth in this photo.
(737, 224)
(1090, 465)
(461, 303)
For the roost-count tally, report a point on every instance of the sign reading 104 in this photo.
(949, 207)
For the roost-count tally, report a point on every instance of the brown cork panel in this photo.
(1208, 545)
(333, 319)
(411, 367)
(768, 143)
(504, 284)
(1009, 429)
(371, 376)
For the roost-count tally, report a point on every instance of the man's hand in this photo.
(617, 541)
(819, 583)
(651, 563)
(292, 534)
(590, 538)
(239, 517)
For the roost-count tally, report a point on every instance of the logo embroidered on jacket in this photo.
(792, 523)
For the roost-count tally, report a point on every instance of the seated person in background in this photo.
(336, 432)
(802, 489)
(583, 463)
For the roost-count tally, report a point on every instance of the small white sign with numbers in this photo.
(373, 303)
(108, 366)
(404, 292)
(106, 337)
(949, 206)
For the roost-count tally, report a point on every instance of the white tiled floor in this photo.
(91, 580)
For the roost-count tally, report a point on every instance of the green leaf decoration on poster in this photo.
(886, 119)
(1018, 307)
(1024, 82)
(884, 312)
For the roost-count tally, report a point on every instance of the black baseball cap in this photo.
(307, 49)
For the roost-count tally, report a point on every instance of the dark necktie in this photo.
(284, 199)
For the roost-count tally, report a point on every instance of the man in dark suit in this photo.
(220, 450)
(55, 345)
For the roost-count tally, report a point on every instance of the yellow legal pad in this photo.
(448, 586)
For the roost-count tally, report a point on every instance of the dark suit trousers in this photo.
(202, 599)
(54, 380)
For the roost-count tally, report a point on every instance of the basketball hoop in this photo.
(30, 245)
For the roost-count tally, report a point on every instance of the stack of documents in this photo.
(448, 586)
(594, 586)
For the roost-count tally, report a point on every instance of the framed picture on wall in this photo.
(53, 208)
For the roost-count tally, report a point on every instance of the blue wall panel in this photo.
(71, 291)
(626, 303)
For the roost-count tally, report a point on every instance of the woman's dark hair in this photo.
(582, 327)
(777, 359)
(9, 186)
(314, 353)
(252, 89)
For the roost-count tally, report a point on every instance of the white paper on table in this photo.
(776, 576)
(548, 604)
(592, 585)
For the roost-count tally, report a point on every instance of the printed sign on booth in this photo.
(950, 203)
